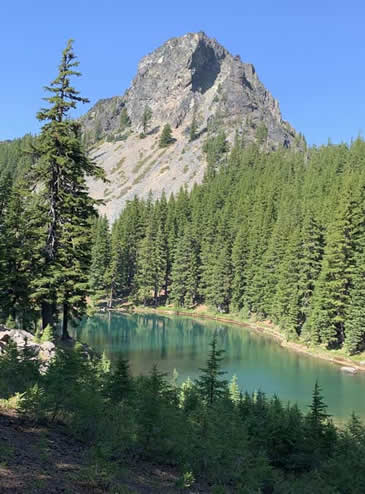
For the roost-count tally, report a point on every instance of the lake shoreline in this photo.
(265, 329)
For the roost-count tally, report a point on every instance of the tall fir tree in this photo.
(355, 316)
(67, 209)
(331, 296)
(184, 273)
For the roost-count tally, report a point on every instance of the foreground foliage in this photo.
(208, 430)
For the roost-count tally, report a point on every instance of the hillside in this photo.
(190, 80)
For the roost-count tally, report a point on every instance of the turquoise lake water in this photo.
(259, 362)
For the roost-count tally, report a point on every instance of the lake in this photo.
(182, 343)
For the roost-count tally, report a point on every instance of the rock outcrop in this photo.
(188, 79)
(44, 351)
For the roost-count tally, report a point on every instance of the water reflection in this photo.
(258, 362)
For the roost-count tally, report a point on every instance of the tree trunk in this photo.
(110, 301)
(47, 314)
(65, 335)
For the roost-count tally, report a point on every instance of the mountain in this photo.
(190, 80)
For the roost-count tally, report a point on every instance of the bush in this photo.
(68, 392)
(19, 369)
(48, 334)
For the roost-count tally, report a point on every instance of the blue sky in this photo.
(310, 54)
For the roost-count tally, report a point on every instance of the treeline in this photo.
(206, 429)
(277, 235)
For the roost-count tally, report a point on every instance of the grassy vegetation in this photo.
(164, 169)
(118, 166)
(141, 163)
(140, 177)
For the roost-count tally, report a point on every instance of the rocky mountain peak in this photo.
(188, 78)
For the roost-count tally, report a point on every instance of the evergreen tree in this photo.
(119, 385)
(146, 119)
(193, 128)
(355, 317)
(17, 242)
(166, 136)
(218, 274)
(184, 273)
(239, 262)
(285, 307)
(310, 258)
(66, 208)
(145, 281)
(210, 384)
(318, 414)
(331, 296)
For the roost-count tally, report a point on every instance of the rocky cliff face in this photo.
(191, 78)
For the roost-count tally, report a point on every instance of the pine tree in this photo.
(193, 128)
(119, 384)
(146, 119)
(166, 136)
(66, 208)
(239, 262)
(355, 316)
(310, 259)
(145, 280)
(318, 414)
(184, 273)
(159, 261)
(285, 306)
(210, 384)
(331, 296)
(218, 275)
(16, 264)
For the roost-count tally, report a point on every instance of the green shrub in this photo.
(48, 334)
(10, 322)
(19, 369)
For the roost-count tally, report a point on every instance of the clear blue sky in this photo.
(310, 54)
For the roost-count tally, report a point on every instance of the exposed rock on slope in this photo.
(191, 78)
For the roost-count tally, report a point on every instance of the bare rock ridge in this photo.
(190, 78)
